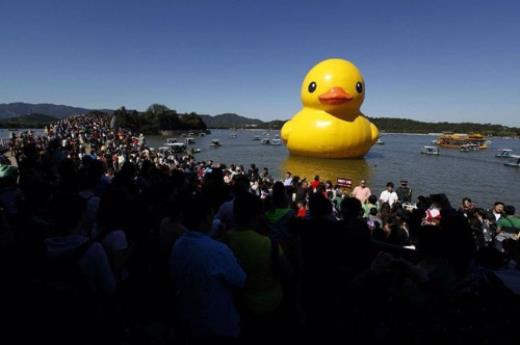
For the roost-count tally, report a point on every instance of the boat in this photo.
(257, 138)
(189, 140)
(233, 135)
(266, 141)
(430, 150)
(504, 153)
(380, 142)
(513, 162)
(194, 150)
(457, 140)
(276, 141)
(469, 147)
(177, 147)
(170, 141)
(215, 143)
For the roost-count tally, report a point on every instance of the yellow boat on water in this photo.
(458, 140)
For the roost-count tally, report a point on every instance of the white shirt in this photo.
(389, 197)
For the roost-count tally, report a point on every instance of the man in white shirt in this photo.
(498, 210)
(288, 179)
(388, 195)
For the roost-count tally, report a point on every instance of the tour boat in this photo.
(215, 143)
(457, 140)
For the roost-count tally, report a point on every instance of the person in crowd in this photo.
(389, 195)
(404, 192)
(508, 227)
(498, 210)
(369, 205)
(205, 275)
(315, 183)
(279, 214)
(466, 206)
(288, 179)
(361, 192)
(263, 261)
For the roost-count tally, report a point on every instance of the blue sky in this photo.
(426, 60)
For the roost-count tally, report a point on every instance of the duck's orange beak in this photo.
(335, 95)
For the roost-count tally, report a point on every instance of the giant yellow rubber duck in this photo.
(331, 125)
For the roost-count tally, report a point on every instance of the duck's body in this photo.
(331, 125)
(316, 133)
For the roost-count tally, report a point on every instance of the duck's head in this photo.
(334, 85)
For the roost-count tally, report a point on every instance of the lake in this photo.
(478, 175)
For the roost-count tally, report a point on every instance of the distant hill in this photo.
(8, 110)
(399, 125)
(27, 121)
(230, 120)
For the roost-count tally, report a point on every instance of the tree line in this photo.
(157, 117)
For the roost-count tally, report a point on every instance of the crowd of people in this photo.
(104, 240)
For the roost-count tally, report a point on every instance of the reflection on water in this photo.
(328, 169)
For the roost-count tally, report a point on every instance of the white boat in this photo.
(170, 141)
(513, 162)
(177, 147)
(276, 141)
(233, 135)
(215, 143)
(266, 141)
(190, 140)
(430, 150)
(380, 142)
(504, 153)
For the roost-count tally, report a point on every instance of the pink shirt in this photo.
(361, 193)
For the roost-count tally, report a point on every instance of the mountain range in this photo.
(20, 109)
(15, 114)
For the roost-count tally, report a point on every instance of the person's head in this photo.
(372, 199)
(240, 184)
(404, 183)
(466, 202)
(316, 178)
(373, 211)
(198, 213)
(509, 210)
(288, 174)
(246, 210)
(319, 205)
(390, 186)
(279, 197)
(498, 207)
(351, 208)
(67, 211)
(391, 225)
(363, 183)
(440, 201)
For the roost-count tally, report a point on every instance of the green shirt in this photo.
(509, 224)
(263, 292)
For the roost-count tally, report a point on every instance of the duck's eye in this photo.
(312, 87)
(359, 87)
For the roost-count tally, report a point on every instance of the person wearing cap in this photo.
(404, 192)
(361, 192)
